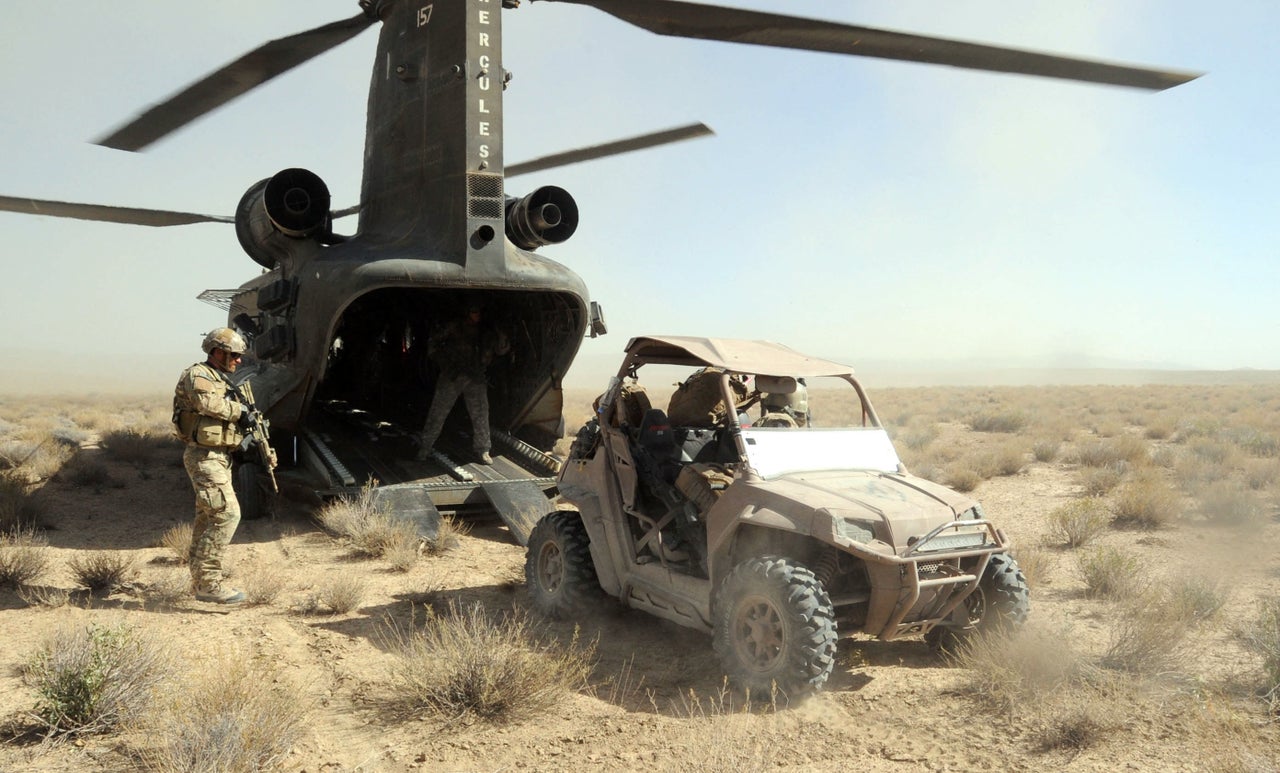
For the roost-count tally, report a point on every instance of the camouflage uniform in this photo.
(463, 351)
(205, 414)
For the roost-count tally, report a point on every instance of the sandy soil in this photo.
(652, 702)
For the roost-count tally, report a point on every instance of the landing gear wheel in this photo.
(250, 484)
(774, 627)
(558, 569)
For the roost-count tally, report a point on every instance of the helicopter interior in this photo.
(378, 363)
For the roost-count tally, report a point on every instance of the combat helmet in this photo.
(224, 338)
(795, 405)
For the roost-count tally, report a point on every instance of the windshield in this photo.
(774, 452)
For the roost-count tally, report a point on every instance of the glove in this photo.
(245, 422)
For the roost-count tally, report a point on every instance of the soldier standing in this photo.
(462, 350)
(212, 420)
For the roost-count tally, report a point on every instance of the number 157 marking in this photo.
(424, 15)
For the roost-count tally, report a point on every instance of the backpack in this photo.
(698, 401)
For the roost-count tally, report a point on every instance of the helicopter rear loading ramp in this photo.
(346, 447)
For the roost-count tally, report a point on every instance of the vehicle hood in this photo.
(892, 508)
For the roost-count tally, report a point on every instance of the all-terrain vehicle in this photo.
(778, 533)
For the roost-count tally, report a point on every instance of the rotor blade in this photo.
(610, 148)
(338, 213)
(105, 214)
(249, 71)
(692, 20)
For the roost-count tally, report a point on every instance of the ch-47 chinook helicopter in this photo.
(338, 323)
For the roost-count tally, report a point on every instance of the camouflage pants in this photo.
(217, 513)
(476, 394)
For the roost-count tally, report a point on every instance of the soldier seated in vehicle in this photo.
(783, 408)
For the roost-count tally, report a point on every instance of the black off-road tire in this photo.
(558, 568)
(774, 628)
(1005, 595)
(249, 482)
(1001, 603)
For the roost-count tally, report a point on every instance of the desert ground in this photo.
(1147, 520)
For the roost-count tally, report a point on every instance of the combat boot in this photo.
(485, 458)
(220, 595)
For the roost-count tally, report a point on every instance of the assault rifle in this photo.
(257, 439)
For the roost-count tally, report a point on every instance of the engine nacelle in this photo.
(276, 212)
(549, 215)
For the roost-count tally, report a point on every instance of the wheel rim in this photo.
(550, 567)
(758, 633)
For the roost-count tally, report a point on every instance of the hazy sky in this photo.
(858, 209)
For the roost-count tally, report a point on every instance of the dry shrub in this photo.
(1159, 429)
(130, 445)
(1147, 501)
(337, 595)
(82, 471)
(24, 557)
(1079, 725)
(448, 536)
(1254, 442)
(101, 571)
(1045, 450)
(40, 457)
(1125, 448)
(1002, 421)
(366, 527)
(1078, 522)
(1261, 474)
(1005, 459)
(171, 587)
(1226, 502)
(44, 596)
(963, 479)
(1035, 563)
(919, 438)
(177, 540)
(1212, 451)
(1110, 574)
(231, 716)
(95, 679)
(1099, 481)
(1147, 635)
(1196, 598)
(1261, 636)
(263, 582)
(21, 507)
(464, 664)
(1008, 670)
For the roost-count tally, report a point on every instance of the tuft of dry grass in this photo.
(1036, 564)
(1007, 670)
(24, 557)
(20, 505)
(44, 596)
(136, 446)
(1147, 635)
(1261, 636)
(231, 716)
(999, 421)
(95, 679)
(263, 582)
(1046, 450)
(1099, 481)
(1104, 453)
(465, 664)
(1196, 598)
(337, 595)
(1078, 522)
(177, 540)
(366, 527)
(170, 588)
(1147, 501)
(1109, 573)
(962, 479)
(1227, 503)
(101, 571)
